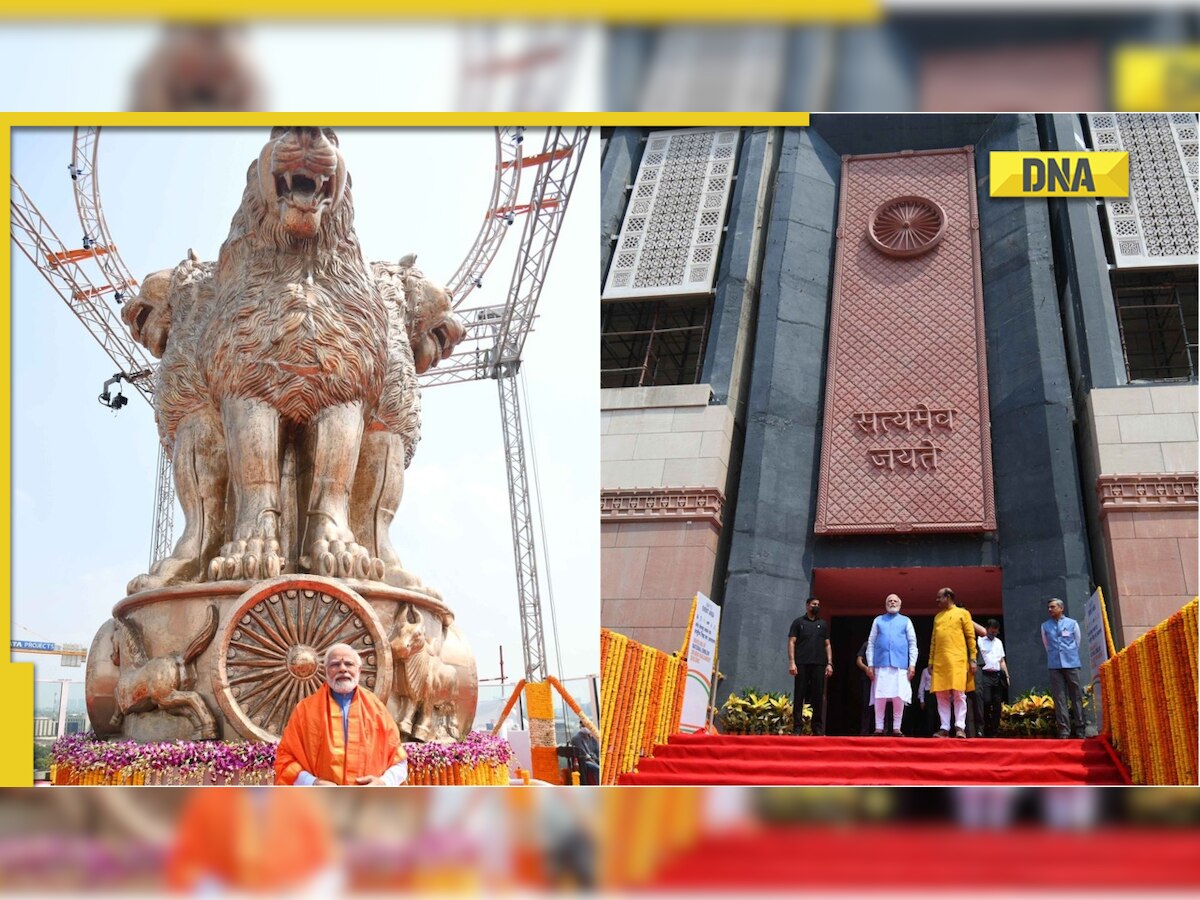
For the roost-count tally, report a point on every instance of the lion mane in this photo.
(297, 324)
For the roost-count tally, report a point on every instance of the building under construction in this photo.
(833, 364)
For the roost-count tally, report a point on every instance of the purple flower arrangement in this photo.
(167, 762)
(477, 748)
(220, 762)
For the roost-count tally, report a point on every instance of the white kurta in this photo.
(890, 681)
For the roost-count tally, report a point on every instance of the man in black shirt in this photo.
(810, 660)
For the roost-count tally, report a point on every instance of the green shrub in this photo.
(752, 711)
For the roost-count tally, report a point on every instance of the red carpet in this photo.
(760, 759)
(932, 857)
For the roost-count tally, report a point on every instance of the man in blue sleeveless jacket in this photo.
(892, 659)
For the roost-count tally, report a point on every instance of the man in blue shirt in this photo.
(1061, 638)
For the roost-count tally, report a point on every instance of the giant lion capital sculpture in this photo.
(287, 392)
(287, 396)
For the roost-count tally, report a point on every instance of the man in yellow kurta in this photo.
(342, 734)
(952, 660)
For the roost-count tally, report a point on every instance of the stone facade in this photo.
(1145, 457)
(1094, 477)
(664, 466)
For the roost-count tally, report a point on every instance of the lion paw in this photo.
(342, 559)
(250, 560)
(398, 576)
(166, 572)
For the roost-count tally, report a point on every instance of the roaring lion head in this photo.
(301, 176)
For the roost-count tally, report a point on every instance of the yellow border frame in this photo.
(609, 11)
(16, 679)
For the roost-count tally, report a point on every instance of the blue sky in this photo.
(83, 476)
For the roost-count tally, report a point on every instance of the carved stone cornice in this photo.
(657, 504)
(1177, 490)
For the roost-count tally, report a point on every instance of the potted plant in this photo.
(752, 711)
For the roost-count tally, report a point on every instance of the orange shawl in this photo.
(281, 842)
(313, 742)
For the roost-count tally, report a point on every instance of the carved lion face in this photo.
(301, 177)
(434, 330)
(148, 314)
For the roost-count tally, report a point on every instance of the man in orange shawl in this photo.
(254, 839)
(952, 660)
(342, 734)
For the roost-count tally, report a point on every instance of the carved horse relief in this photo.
(161, 682)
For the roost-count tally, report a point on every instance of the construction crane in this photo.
(84, 169)
(72, 654)
(492, 348)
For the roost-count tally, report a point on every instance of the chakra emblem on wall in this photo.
(907, 226)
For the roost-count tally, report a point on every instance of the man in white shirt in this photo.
(993, 685)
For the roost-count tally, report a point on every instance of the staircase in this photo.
(763, 759)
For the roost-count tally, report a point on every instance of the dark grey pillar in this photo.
(769, 571)
(618, 169)
(812, 55)
(1039, 506)
(875, 70)
(1089, 313)
(736, 286)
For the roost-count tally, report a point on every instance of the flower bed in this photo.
(478, 759)
(83, 759)
(1032, 715)
(1149, 692)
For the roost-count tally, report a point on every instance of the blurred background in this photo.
(914, 57)
(847, 841)
(888, 841)
(957, 57)
(198, 840)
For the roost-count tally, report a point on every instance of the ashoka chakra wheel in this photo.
(274, 644)
(907, 226)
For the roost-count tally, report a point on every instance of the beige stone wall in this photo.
(1148, 429)
(1149, 529)
(661, 449)
(663, 437)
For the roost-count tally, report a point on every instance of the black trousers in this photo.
(992, 693)
(974, 712)
(810, 688)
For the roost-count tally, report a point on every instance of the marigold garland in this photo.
(641, 698)
(1150, 691)
(512, 701)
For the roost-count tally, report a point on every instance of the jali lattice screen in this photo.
(1157, 224)
(672, 230)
